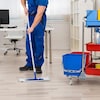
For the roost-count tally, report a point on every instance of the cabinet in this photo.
(78, 11)
(74, 26)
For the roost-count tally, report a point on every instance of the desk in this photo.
(12, 29)
(48, 31)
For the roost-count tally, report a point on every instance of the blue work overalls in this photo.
(37, 36)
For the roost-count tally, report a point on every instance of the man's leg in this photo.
(28, 65)
(39, 48)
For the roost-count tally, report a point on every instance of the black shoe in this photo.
(38, 70)
(25, 68)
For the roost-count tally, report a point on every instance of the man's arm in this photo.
(37, 18)
(23, 2)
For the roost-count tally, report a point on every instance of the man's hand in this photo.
(30, 30)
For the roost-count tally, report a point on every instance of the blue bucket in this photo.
(72, 64)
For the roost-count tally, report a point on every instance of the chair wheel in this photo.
(5, 53)
(18, 52)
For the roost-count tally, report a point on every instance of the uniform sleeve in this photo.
(42, 2)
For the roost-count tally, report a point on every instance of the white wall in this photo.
(56, 9)
(61, 32)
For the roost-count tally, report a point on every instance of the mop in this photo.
(82, 76)
(34, 69)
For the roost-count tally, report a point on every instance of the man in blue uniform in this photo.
(37, 20)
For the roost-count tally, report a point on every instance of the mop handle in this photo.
(30, 42)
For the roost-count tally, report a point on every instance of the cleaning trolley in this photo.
(78, 64)
(93, 22)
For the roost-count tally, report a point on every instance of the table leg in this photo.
(50, 53)
(46, 46)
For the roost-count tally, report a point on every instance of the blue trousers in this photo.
(37, 39)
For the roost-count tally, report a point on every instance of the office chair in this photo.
(14, 37)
